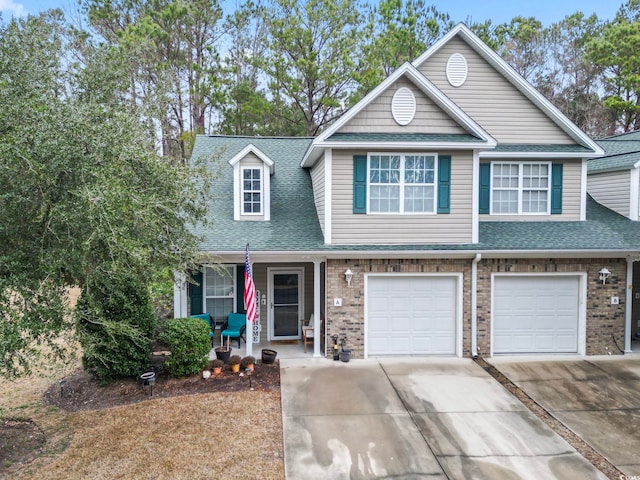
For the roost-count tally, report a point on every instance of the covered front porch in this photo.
(290, 300)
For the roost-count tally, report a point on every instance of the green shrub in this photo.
(115, 325)
(188, 340)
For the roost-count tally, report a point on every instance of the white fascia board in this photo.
(426, 86)
(637, 164)
(508, 71)
(251, 148)
(405, 145)
(553, 155)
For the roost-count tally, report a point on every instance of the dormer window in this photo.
(252, 170)
(251, 191)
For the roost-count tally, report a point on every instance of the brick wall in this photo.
(347, 320)
(604, 321)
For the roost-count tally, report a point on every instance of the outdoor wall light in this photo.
(604, 274)
(348, 275)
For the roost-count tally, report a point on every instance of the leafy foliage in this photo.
(84, 194)
(188, 340)
(115, 325)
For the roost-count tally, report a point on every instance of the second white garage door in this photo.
(411, 315)
(535, 314)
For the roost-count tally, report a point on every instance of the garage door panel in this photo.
(535, 314)
(417, 314)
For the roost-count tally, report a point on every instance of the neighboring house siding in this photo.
(377, 118)
(317, 179)
(571, 196)
(370, 229)
(611, 189)
(491, 100)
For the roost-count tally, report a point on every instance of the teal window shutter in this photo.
(359, 184)
(556, 188)
(444, 183)
(195, 293)
(485, 188)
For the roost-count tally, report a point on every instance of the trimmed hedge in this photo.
(189, 342)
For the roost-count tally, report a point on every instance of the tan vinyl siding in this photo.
(491, 100)
(251, 160)
(571, 196)
(370, 229)
(377, 118)
(317, 179)
(611, 189)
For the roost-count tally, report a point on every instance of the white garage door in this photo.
(535, 314)
(411, 315)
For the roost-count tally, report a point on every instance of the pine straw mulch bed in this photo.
(582, 447)
(80, 392)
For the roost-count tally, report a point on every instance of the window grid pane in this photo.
(520, 188)
(384, 175)
(251, 191)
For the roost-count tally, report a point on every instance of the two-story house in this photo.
(444, 214)
(614, 181)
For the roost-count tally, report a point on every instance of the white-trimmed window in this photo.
(520, 188)
(251, 191)
(220, 292)
(402, 183)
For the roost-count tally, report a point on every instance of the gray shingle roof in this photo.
(405, 137)
(540, 148)
(294, 225)
(622, 152)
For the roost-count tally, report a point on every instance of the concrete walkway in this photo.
(413, 418)
(597, 398)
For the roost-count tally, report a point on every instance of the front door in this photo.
(285, 303)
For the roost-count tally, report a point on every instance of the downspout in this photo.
(474, 305)
(628, 306)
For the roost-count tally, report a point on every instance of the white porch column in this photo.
(316, 309)
(628, 306)
(179, 295)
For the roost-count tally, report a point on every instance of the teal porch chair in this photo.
(234, 327)
(207, 318)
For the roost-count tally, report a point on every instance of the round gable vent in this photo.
(457, 69)
(403, 106)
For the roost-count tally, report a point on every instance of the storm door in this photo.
(285, 303)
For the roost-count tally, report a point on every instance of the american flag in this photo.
(249, 290)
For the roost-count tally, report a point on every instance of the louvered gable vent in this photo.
(457, 69)
(403, 106)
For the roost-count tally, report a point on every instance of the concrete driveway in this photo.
(414, 418)
(598, 398)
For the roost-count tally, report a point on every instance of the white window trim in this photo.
(267, 168)
(401, 185)
(520, 188)
(242, 191)
(233, 269)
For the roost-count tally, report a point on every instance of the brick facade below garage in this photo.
(605, 322)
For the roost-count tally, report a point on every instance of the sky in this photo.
(498, 11)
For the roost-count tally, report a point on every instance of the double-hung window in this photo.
(520, 188)
(402, 183)
(251, 191)
(220, 292)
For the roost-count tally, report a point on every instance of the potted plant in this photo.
(216, 366)
(248, 362)
(234, 361)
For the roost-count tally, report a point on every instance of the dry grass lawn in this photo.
(217, 435)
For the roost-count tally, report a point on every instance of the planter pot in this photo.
(217, 370)
(223, 354)
(268, 355)
(345, 355)
(235, 368)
